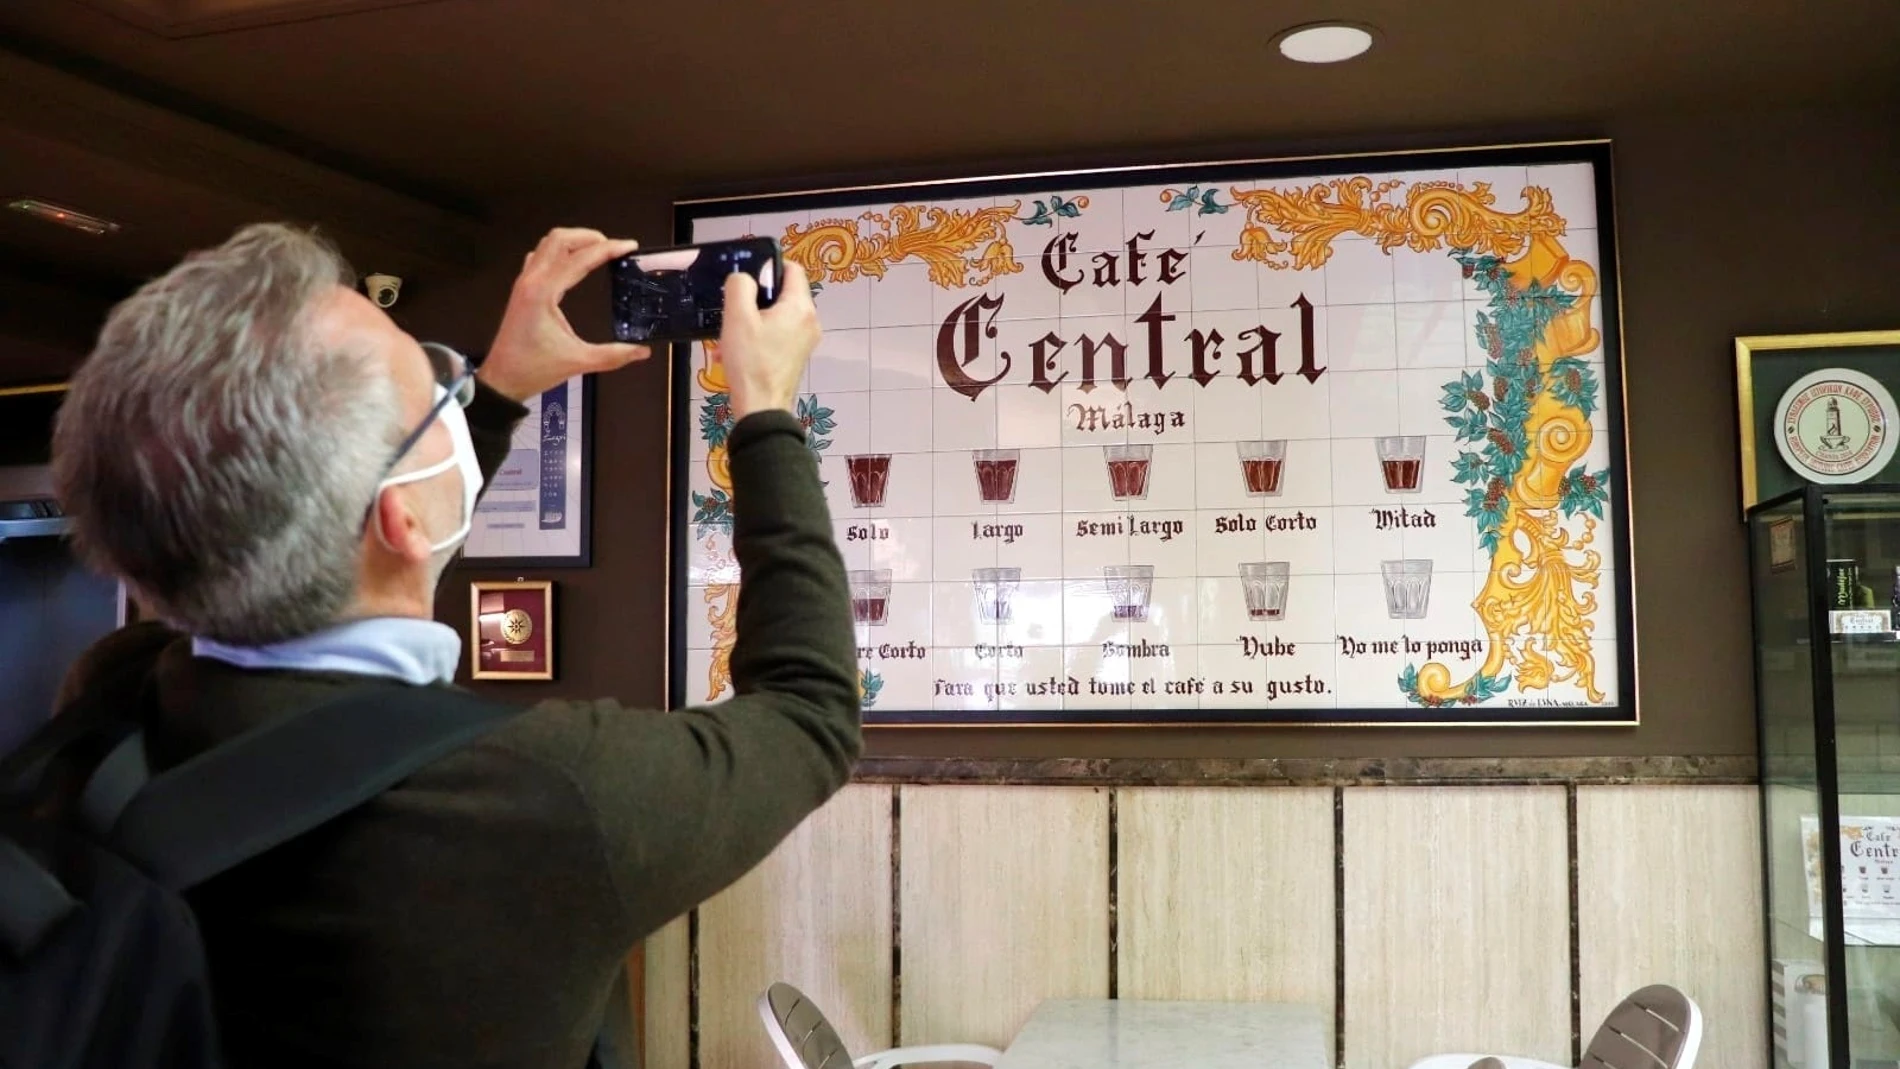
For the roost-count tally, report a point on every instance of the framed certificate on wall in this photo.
(1326, 441)
(534, 512)
(1816, 408)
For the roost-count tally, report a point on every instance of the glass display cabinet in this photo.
(1825, 570)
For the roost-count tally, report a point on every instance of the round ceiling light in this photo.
(1325, 42)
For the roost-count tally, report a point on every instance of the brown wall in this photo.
(610, 618)
(1729, 224)
(45, 327)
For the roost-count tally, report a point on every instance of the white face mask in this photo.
(462, 457)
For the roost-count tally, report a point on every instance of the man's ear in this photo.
(397, 527)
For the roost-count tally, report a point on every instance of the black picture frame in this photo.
(1623, 712)
(585, 557)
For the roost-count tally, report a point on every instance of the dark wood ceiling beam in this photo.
(195, 18)
(49, 102)
(27, 361)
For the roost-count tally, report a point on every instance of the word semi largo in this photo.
(1105, 357)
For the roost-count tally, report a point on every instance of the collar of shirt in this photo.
(419, 652)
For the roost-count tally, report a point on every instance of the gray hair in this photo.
(216, 455)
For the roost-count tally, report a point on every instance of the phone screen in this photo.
(679, 294)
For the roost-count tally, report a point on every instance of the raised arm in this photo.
(687, 802)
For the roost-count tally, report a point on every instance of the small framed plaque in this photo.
(1816, 408)
(1781, 545)
(511, 631)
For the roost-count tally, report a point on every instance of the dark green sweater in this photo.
(479, 915)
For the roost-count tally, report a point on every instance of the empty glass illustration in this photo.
(1130, 586)
(1260, 465)
(1408, 588)
(1402, 462)
(1265, 584)
(995, 588)
(1128, 470)
(869, 476)
(996, 473)
(870, 595)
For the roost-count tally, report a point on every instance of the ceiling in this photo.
(404, 122)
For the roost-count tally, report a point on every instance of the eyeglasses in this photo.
(454, 374)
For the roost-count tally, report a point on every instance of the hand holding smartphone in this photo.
(678, 294)
(763, 354)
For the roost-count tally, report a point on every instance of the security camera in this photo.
(383, 289)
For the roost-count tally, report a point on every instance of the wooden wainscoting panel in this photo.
(817, 915)
(1669, 891)
(1457, 923)
(1227, 893)
(1004, 903)
(666, 1028)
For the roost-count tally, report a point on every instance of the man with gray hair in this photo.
(280, 475)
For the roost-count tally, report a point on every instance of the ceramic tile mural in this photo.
(1328, 442)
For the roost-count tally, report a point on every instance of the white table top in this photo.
(1118, 1034)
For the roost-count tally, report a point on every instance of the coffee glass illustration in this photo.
(870, 474)
(1408, 588)
(1128, 470)
(1402, 462)
(995, 589)
(1265, 584)
(996, 473)
(870, 595)
(1129, 587)
(1261, 464)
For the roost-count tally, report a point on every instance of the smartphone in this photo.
(679, 294)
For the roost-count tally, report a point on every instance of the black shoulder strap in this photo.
(271, 785)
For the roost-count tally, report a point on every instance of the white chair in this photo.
(1655, 1028)
(805, 1040)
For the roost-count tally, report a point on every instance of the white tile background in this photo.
(1390, 327)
